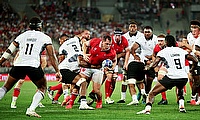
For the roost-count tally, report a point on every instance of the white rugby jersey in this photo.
(191, 39)
(175, 58)
(197, 41)
(71, 49)
(31, 45)
(147, 46)
(132, 39)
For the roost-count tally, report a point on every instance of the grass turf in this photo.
(112, 111)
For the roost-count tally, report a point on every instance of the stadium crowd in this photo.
(95, 50)
(58, 19)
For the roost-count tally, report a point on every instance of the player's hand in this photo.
(58, 77)
(82, 62)
(86, 57)
(125, 67)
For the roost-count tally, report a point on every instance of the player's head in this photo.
(148, 32)
(106, 43)
(195, 28)
(85, 34)
(170, 41)
(161, 40)
(35, 24)
(63, 38)
(133, 27)
(118, 35)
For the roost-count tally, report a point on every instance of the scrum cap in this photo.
(195, 22)
(118, 31)
(35, 23)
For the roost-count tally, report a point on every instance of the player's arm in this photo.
(61, 58)
(126, 58)
(53, 59)
(10, 50)
(196, 51)
(194, 62)
(153, 56)
(155, 62)
(82, 62)
(114, 62)
(134, 48)
(85, 48)
(184, 44)
(121, 55)
(43, 61)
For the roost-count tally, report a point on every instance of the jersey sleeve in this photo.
(197, 42)
(161, 53)
(48, 40)
(94, 41)
(125, 41)
(62, 50)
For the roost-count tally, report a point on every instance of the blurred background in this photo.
(98, 16)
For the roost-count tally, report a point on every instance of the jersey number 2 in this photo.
(28, 48)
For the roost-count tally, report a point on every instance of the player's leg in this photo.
(195, 87)
(161, 73)
(10, 82)
(16, 93)
(108, 88)
(51, 90)
(67, 88)
(73, 96)
(180, 85)
(132, 91)
(158, 88)
(114, 76)
(123, 88)
(15, 74)
(82, 83)
(38, 78)
(56, 97)
(97, 79)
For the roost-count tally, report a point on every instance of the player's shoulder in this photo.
(139, 33)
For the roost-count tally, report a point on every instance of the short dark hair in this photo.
(170, 41)
(133, 22)
(35, 23)
(148, 27)
(64, 35)
(195, 22)
(107, 37)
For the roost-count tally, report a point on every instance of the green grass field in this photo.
(113, 111)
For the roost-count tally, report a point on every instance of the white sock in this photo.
(181, 103)
(39, 95)
(14, 99)
(83, 101)
(148, 108)
(123, 95)
(2, 92)
(134, 97)
(65, 93)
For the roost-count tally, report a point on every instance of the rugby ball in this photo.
(107, 63)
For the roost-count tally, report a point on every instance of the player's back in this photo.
(175, 60)
(72, 49)
(31, 44)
